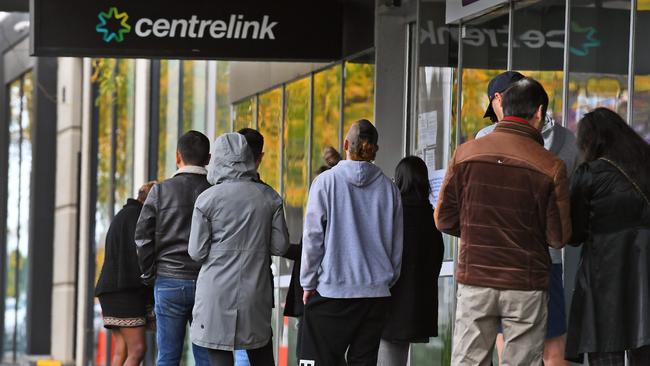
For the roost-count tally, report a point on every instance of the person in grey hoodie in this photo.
(352, 253)
(237, 225)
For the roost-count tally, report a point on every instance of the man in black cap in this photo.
(561, 142)
(351, 257)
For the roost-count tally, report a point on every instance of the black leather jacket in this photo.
(163, 229)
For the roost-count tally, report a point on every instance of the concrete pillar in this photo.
(391, 48)
(142, 118)
(86, 213)
(66, 211)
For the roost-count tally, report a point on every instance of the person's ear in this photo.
(207, 162)
(179, 159)
(538, 118)
(346, 145)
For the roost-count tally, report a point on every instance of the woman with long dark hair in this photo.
(413, 311)
(610, 311)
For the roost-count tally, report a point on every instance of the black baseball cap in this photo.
(499, 84)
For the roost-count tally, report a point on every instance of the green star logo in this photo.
(590, 41)
(116, 18)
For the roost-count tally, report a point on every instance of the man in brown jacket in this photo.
(506, 197)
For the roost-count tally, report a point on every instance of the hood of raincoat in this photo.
(231, 159)
(358, 173)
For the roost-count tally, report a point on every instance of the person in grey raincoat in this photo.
(237, 224)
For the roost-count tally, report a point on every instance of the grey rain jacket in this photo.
(237, 224)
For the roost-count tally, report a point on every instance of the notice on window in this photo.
(435, 181)
(429, 157)
(427, 128)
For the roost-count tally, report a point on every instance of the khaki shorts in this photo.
(480, 310)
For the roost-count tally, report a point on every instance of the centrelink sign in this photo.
(242, 29)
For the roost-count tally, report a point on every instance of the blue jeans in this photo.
(174, 303)
(241, 358)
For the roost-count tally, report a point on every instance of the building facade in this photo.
(80, 135)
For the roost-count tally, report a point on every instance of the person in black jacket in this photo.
(413, 311)
(610, 310)
(122, 296)
(162, 235)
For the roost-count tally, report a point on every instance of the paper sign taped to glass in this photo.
(436, 178)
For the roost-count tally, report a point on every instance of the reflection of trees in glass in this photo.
(194, 93)
(270, 124)
(296, 150)
(244, 114)
(125, 109)
(18, 214)
(169, 116)
(223, 98)
(359, 93)
(115, 81)
(475, 101)
(326, 113)
(589, 91)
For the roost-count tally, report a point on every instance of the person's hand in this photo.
(306, 295)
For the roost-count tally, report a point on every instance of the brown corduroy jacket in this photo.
(507, 198)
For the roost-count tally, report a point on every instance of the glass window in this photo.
(223, 98)
(485, 55)
(296, 153)
(359, 90)
(326, 114)
(244, 114)
(169, 117)
(599, 58)
(431, 120)
(269, 119)
(438, 350)
(114, 113)
(17, 225)
(194, 95)
(641, 119)
(182, 107)
(125, 109)
(538, 51)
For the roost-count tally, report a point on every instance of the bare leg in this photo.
(119, 348)
(554, 352)
(500, 342)
(135, 345)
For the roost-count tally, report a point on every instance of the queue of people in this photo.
(197, 247)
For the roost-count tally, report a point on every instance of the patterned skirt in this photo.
(126, 309)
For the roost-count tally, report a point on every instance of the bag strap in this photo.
(636, 186)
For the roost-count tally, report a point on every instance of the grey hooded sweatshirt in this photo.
(237, 224)
(353, 233)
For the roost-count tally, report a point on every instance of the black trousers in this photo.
(257, 357)
(333, 326)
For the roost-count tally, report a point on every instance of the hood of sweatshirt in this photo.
(358, 173)
(231, 159)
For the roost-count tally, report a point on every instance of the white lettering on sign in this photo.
(307, 363)
(236, 28)
(477, 37)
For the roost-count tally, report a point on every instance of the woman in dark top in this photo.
(413, 312)
(610, 310)
(122, 296)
